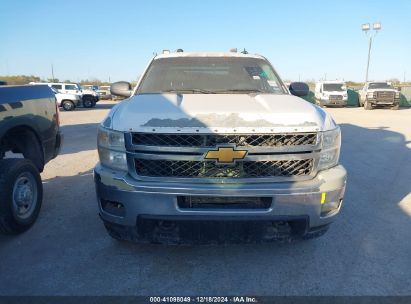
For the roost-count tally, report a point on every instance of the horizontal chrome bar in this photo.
(254, 158)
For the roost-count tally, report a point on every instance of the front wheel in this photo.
(22, 195)
(88, 102)
(367, 105)
(319, 103)
(68, 105)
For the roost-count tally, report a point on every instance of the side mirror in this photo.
(399, 89)
(299, 89)
(121, 88)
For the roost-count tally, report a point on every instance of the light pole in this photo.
(366, 27)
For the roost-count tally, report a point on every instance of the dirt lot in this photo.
(366, 252)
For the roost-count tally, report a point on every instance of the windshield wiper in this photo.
(202, 91)
(239, 91)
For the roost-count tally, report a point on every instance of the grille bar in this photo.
(212, 140)
(206, 169)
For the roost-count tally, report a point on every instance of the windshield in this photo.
(71, 87)
(379, 85)
(210, 75)
(334, 87)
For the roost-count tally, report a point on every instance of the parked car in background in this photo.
(214, 147)
(89, 87)
(331, 93)
(379, 94)
(104, 92)
(2, 82)
(29, 127)
(89, 98)
(67, 101)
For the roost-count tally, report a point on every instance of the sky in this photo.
(114, 40)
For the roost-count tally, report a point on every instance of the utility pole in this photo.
(368, 61)
(366, 27)
(52, 72)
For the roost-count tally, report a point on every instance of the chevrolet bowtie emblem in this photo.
(225, 154)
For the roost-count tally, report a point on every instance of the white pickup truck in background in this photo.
(331, 93)
(379, 94)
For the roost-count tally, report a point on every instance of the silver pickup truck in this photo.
(213, 147)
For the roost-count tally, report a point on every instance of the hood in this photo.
(336, 92)
(382, 90)
(67, 95)
(87, 91)
(222, 113)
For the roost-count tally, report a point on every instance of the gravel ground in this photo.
(366, 251)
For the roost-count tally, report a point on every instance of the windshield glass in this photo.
(334, 87)
(211, 75)
(71, 87)
(379, 85)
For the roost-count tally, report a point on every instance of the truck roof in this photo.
(332, 81)
(208, 54)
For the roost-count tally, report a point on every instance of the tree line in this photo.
(25, 79)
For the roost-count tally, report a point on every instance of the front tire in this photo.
(22, 195)
(68, 105)
(367, 105)
(320, 103)
(88, 102)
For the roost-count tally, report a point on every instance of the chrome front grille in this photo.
(206, 169)
(212, 140)
(335, 97)
(280, 156)
(385, 96)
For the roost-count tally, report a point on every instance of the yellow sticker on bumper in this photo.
(323, 198)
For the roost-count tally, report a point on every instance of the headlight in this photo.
(370, 95)
(111, 149)
(331, 139)
(397, 94)
(330, 152)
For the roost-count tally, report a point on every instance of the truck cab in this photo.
(214, 146)
(331, 93)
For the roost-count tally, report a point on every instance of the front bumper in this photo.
(334, 102)
(383, 102)
(160, 199)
